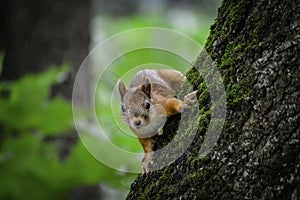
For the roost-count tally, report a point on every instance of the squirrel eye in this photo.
(147, 105)
(123, 108)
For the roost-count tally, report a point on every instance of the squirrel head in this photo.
(136, 104)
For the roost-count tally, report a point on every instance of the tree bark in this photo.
(255, 45)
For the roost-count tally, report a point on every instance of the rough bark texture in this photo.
(255, 45)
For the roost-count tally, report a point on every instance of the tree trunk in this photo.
(255, 45)
(36, 35)
(40, 34)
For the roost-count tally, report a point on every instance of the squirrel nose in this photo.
(137, 122)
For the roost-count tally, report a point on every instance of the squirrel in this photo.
(145, 105)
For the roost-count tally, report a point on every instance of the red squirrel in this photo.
(149, 99)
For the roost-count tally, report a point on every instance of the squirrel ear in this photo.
(122, 89)
(146, 88)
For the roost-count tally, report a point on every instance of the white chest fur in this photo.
(158, 118)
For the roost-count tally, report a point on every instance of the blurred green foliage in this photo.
(194, 23)
(30, 167)
(27, 106)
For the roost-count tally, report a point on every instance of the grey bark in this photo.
(255, 45)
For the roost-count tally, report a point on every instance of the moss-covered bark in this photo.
(255, 45)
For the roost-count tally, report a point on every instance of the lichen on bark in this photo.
(255, 45)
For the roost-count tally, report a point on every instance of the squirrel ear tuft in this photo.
(122, 89)
(146, 88)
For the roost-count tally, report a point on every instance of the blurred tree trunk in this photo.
(38, 34)
(255, 45)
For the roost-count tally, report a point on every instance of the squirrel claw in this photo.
(189, 100)
(160, 131)
(145, 166)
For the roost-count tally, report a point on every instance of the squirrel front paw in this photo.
(189, 100)
(146, 163)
